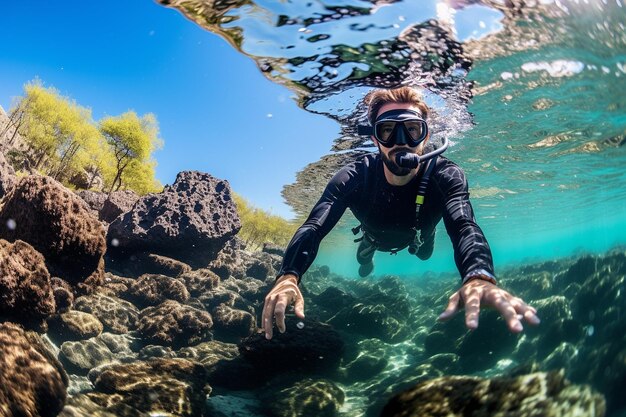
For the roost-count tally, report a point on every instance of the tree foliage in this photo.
(132, 140)
(64, 142)
(259, 226)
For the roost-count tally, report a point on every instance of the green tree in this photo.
(259, 227)
(59, 133)
(132, 140)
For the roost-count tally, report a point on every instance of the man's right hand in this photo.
(284, 293)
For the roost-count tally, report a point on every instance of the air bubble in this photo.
(115, 242)
(11, 224)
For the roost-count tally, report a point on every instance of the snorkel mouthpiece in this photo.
(407, 160)
(411, 160)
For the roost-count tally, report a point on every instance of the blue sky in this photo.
(212, 102)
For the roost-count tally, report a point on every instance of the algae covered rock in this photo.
(74, 325)
(230, 322)
(306, 398)
(26, 295)
(200, 281)
(175, 386)
(32, 381)
(174, 324)
(117, 316)
(59, 225)
(81, 356)
(538, 394)
(153, 289)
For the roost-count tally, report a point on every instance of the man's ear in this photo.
(375, 141)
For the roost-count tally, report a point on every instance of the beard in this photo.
(392, 165)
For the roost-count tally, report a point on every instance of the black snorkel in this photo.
(411, 160)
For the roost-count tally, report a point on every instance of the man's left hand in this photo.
(477, 293)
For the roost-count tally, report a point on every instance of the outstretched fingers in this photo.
(525, 311)
(452, 308)
(268, 310)
(472, 308)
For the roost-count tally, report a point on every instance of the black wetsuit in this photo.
(387, 214)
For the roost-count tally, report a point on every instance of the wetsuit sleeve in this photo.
(303, 247)
(471, 249)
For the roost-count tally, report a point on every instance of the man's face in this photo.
(389, 154)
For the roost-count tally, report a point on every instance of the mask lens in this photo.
(415, 129)
(384, 131)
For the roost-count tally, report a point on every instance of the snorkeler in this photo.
(399, 195)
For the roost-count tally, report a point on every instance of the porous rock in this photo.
(538, 394)
(81, 356)
(306, 398)
(73, 325)
(63, 294)
(25, 290)
(58, 224)
(94, 199)
(190, 220)
(152, 289)
(32, 381)
(117, 203)
(117, 316)
(308, 347)
(174, 324)
(233, 323)
(175, 386)
(200, 281)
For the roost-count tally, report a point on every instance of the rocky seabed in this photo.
(120, 305)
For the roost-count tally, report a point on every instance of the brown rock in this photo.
(117, 316)
(176, 386)
(174, 324)
(190, 220)
(58, 224)
(32, 381)
(25, 290)
(74, 325)
(63, 294)
(538, 394)
(117, 203)
(150, 290)
(233, 323)
(94, 199)
(200, 281)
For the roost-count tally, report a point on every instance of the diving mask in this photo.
(398, 127)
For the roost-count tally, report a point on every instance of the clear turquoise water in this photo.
(540, 140)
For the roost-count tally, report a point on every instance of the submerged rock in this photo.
(81, 356)
(200, 281)
(174, 324)
(175, 386)
(153, 289)
(74, 325)
(306, 398)
(190, 220)
(118, 316)
(58, 224)
(32, 381)
(539, 394)
(310, 347)
(25, 289)
(233, 323)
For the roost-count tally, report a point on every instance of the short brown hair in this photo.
(376, 99)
